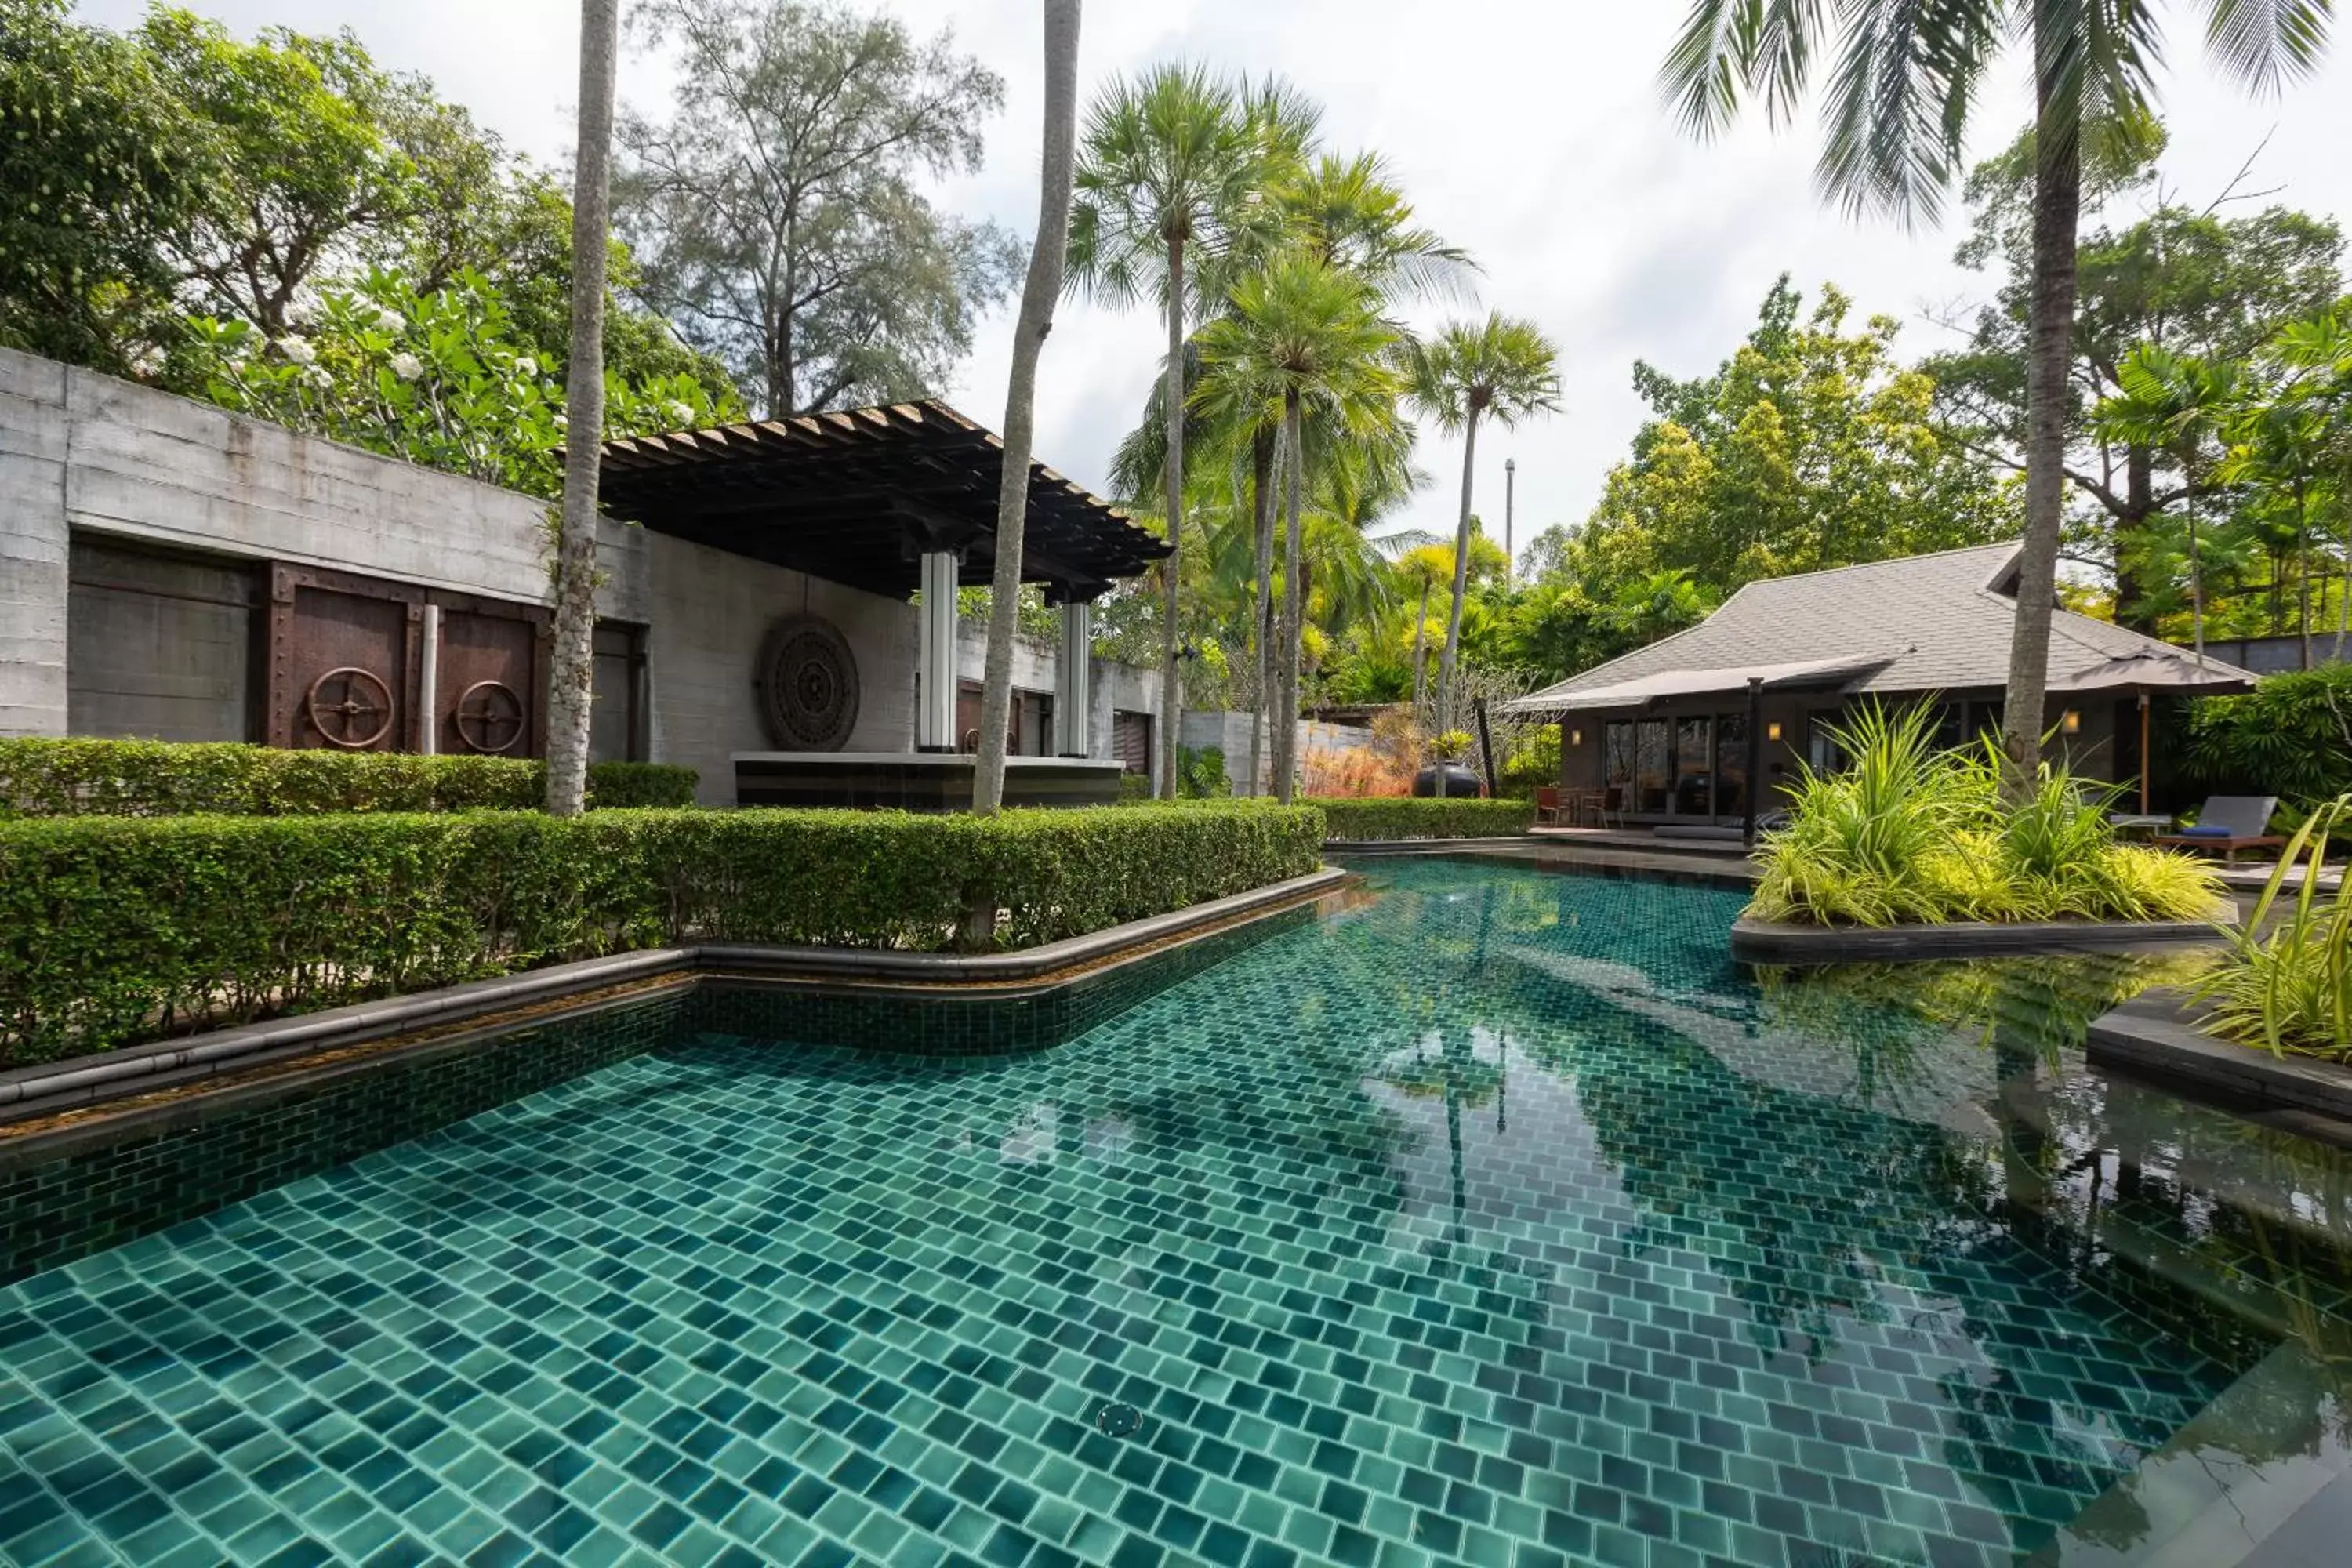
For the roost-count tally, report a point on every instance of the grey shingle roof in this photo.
(1935, 619)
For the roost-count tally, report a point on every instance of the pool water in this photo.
(1497, 1218)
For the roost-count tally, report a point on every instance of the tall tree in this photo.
(571, 669)
(1308, 334)
(777, 211)
(1895, 117)
(1046, 258)
(1498, 369)
(2185, 280)
(1170, 182)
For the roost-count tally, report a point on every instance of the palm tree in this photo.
(1308, 334)
(2183, 405)
(1171, 176)
(1046, 258)
(571, 673)
(1895, 118)
(1498, 369)
(1424, 568)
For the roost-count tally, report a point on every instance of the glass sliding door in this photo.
(1731, 765)
(1617, 763)
(1653, 765)
(1694, 766)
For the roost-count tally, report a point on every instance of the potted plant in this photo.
(1448, 775)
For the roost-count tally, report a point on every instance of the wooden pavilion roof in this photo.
(856, 497)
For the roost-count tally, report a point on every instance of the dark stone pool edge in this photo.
(1773, 941)
(2162, 1034)
(50, 1087)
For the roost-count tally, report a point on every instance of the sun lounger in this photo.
(2229, 823)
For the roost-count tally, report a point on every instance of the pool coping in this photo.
(2163, 1032)
(79, 1083)
(1782, 942)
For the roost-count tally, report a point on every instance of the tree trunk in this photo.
(2057, 209)
(1421, 653)
(1446, 655)
(1037, 295)
(571, 665)
(1171, 672)
(1262, 450)
(2132, 529)
(2196, 587)
(1294, 587)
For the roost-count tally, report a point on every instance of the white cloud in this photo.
(1530, 131)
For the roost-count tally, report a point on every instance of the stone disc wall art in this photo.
(808, 685)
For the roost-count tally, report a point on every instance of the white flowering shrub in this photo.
(440, 379)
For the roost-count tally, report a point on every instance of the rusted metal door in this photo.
(1130, 741)
(343, 661)
(489, 681)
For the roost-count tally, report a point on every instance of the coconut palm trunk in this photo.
(1294, 588)
(1172, 671)
(1421, 653)
(1446, 653)
(571, 658)
(1262, 451)
(2057, 210)
(1038, 294)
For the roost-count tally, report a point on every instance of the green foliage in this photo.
(1201, 772)
(1811, 447)
(124, 928)
(97, 166)
(1382, 817)
(1905, 834)
(2291, 736)
(440, 379)
(2288, 982)
(1535, 765)
(42, 777)
(1453, 745)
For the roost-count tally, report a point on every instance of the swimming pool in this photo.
(1496, 1217)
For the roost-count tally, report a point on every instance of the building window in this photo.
(1694, 767)
(1617, 759)
(1731, 765)
(1653, 764)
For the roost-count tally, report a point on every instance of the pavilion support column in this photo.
(1074, 701)
(935, 652)
(1755, 761)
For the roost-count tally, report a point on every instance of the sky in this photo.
(1529, 131)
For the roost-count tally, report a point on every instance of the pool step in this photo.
(2250, 1483)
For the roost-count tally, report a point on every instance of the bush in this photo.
(1907, 834)
(1201, 772)
(2288, 982)
(122, 929)
(43, 777)
(1535, 765)
(2291, 736)
(1405, 817)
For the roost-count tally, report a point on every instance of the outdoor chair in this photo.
(1547, 808)
(2229, 823)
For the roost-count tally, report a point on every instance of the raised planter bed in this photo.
(2163, 1034)
(1778, 941)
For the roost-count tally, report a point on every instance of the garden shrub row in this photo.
(1367, 817)
(116, 930)
(44, 777)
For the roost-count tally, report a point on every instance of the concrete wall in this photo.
(1229, 728)
(86, 456)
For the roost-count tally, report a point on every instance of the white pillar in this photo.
(428, 683)
(935, 657)
(1074, 701)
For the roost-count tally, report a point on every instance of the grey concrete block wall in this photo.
(34, 544)
(112, 461)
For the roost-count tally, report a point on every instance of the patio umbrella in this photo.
(2147, 675)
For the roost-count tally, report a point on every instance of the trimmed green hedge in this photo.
(164, 778)
(115, 930)
(1406, 817)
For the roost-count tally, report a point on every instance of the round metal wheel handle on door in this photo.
(485, 711)
(344, 702)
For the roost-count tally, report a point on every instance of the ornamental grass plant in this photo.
(1910, 833)
(2286, 982)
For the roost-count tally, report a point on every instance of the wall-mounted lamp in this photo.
(1773, 731)
(2073, 722)
(1576, 737)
